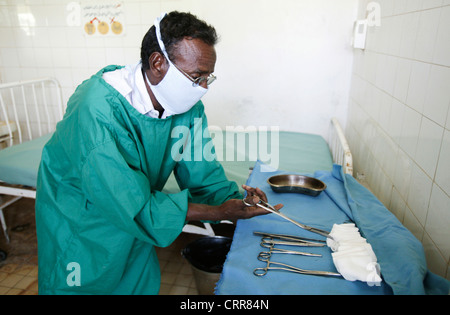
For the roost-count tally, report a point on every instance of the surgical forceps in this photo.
(288, 237)
(264, 205)
(275, 250)
(260, 272)
(269, 241)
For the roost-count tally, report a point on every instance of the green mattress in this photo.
(19, 164)
(298, 152)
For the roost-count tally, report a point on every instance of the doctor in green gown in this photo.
(99, 208)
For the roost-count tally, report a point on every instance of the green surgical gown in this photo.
(99, 207)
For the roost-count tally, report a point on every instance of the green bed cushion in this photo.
(298, 152)
(19, 164)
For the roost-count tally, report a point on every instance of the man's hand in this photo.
(231, 210)
(236, 209)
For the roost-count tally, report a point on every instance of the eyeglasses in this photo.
(196, 82)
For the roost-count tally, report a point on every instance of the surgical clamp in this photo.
(274, 250)
(270, 240)
(287, 237)
(264, 205)
(260, 272)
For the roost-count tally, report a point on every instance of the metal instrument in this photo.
(288, 237)
(271, 265)
(269, 241)
(248, 201)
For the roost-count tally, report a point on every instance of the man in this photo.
(99, 208)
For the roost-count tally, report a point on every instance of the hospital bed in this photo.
(30, 111)
(297, 152)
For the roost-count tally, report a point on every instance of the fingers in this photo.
(255, 191)
(279, 206)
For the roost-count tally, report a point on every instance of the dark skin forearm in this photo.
(232, 210)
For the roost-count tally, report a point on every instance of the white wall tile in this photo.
(447, 125)
(409, 35)
(412, 224)
(396, 119)
(399, 7)
(438, 220)
(438, 94)
(58, 37)
(387, 7)
(43, 57)
(26, 57)
(7, 38)
(402, 79)
(419, 194)
(385, 110)
(426, 35)
(429, 146)
(402, 176)
(10, 58)
(5, 16)
(389, 74)
(395, 35)
(41, 37)
(77, 38)
(413, 5)
(115, 56)
(443, 169)
(134, 36)
(427, 4)
(133, 14)
(418, 84)
(60, 58)
(435, 260)
(397, 205)
(410, 131)
(78, 58)
(64, 76)
(96, 58)
(442, 48)
(22, 39)
(131, 55)
(56, 15)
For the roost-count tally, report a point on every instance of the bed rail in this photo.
(29, 109)
(339, 147)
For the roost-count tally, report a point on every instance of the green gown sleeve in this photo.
(122, 194)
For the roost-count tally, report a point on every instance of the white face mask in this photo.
(176, 93)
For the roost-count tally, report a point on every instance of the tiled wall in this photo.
(308, 79)
(399, 118)
(36, 41)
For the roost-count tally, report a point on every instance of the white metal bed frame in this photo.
(337, 142)
(339, 147)
(26, 96)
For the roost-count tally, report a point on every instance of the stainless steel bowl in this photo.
(296, 184)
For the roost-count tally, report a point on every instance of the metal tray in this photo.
(296, 184)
